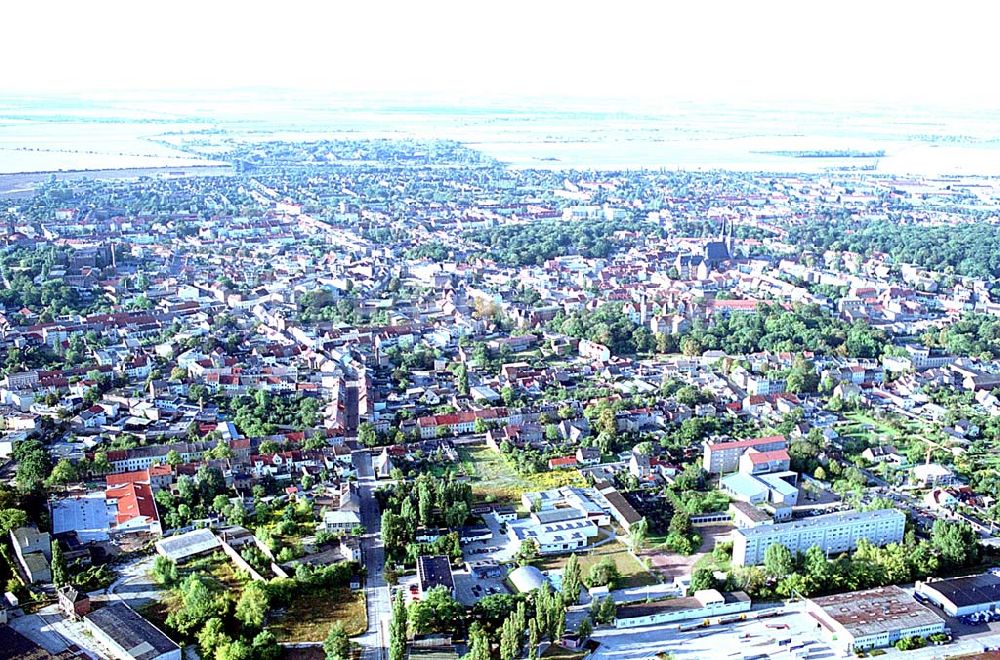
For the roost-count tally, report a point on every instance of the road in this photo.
(374, 641)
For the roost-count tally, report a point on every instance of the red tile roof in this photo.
(134, 500)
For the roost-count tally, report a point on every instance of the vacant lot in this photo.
(491, 476)
(310, 616)
(633, 573)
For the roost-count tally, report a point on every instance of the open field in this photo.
(310, 616)
(491, 476)
(633, 573)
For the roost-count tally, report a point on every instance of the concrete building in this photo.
(434, 571)
(721, 457)
(833, 533)
(964, 595)
(704, 603)
(873, 618)
(129, 636)
(33, 550)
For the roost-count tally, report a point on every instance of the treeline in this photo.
(971, 249)
(975, 335)
(261, 413)
(951, 546)
(534, 243)
(774, 328)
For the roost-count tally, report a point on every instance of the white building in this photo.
(705, 603)
(833, 533)
(874, 618)
(964, 595)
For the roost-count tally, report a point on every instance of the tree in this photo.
(533, 639)
(571, 580)
(64, 472)
(527, 553)
(438, 611)
(778, 561)
(637, 534)
(337, 644)
(955, 542)
(11, 519)
(702, 578)
(819, 474)
(234, 650)
(164, 571)
(585, 629)
(265, 646)
(211, 636)
(479, 644)
(173, 458)
(58, 565)
(251, 608)
(100, 464)
(366, 434)
(603, 573)
(397, 629)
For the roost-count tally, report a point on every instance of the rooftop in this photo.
(969, 590)
(875, 611)
(434, 571)
(844, 518)
(130, 631)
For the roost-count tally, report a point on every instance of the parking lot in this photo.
(469, 589)
(498, 546)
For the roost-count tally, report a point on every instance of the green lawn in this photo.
(633, 573)
(491, 476)
(310, 616)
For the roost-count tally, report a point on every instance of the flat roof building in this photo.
(873, 618)
(704, 603)
(129, 636)
(833, 533)
(963, 595)
(434, 571)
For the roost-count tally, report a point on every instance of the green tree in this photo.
(64, 472)
(211, 636)
(164, 571)
(603, 573)
(398, 629)
(778, 561)
(337, 644)
(571, 580)
(173, 458)
(58, 565)
(479, 643)
(955, 542)
(11, 519)
(251, 608)
(265, 646)
(366, 434)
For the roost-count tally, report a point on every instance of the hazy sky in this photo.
(809, 49)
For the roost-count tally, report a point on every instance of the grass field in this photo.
(556, 651)
(491, 476)
(633, 573)
(310, 616)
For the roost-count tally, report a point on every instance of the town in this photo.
(393, 399)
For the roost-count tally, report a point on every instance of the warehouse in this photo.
(704, 604)
(129, 636)
(965, 595)
(870, 619)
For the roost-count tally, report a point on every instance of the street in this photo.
(374, 640)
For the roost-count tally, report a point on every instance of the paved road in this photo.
(374, 640)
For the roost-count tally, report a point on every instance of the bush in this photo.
(911, 643)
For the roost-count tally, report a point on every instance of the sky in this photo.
(880, 51)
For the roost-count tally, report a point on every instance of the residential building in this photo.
(833, 533)
(724, 456)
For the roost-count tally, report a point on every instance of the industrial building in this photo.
(129, 636)
(873, 618)
(833, 533)
(704, 603)
(964, 595)
(434, 571)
